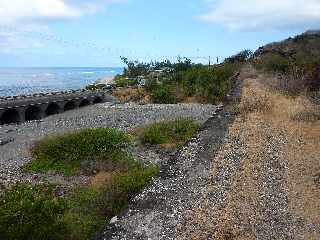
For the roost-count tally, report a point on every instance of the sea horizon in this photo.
(16, 81)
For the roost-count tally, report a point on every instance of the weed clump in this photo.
(40, 212)
(30, 213)
(66, 153)
(176, 132)
(36, 213)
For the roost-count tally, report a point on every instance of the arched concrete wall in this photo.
(17, 111)
(53, 108)
(97, 99)
(70, 105)
(84, 102)
(10, 116)
(33, 113)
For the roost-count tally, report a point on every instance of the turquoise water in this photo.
(17, 81)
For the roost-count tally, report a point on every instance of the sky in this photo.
(95, 33)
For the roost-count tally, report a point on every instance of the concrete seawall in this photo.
(28, 108)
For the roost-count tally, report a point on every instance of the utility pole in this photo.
(209, 61)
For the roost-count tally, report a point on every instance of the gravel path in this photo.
(159, 211)
(16, 140)
(250, 195)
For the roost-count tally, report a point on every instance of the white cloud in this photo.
(21, 21)
(12, 41)
(12, 11)
(264, 14)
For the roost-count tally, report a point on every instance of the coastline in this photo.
(106, 80)
(30, 81)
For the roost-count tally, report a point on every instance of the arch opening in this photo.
(70, 106)
(84, 102)
(33, 113)
(10, 116)
(52, 109)
(97, 100)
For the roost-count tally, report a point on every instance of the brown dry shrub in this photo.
(132, 94)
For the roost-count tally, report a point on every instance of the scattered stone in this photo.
(4, 141)
(113, 220)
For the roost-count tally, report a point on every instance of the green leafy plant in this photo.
(32, 213)
(163, 95)
(36, 213)
(91, 207)
(273, 63)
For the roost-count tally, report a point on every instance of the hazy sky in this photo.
(97, 32)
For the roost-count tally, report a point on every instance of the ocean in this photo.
(18, 81)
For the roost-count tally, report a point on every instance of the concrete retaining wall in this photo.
(21, 109)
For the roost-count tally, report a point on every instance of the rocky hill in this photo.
(307, 43)
(296, 59)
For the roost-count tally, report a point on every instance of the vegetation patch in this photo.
(42, 212)
(170, 133)
(86, 150)
(169, 83)
(32, 213)
(296, 60)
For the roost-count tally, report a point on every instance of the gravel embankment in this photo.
(16, 140)
(160, 210)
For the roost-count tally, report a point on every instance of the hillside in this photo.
(296, 62)
(307, 43)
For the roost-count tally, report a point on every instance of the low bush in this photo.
(41, 213)
(65, 153)
(165, 80)
(174, 132)
(36, 213)
(92, 87)
(90, 208)
(273, 63)
(298, 73)
(32, 213)
(122, 81)
(163, 95)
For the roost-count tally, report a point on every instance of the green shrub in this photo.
(273, 63)
(32, 213)
(169, 132)
(90, 208)
(65, 153)
(35, 213)
(92, 87)
(120, 81)
(163, 95)
(241, 57)
(206, 83)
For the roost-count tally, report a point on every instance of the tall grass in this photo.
(175, 132)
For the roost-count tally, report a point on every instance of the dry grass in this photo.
(132, 94)
(298, 119)
(264, 114)
(101, 179)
